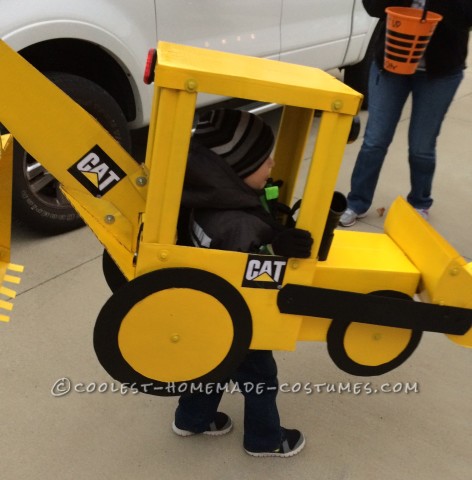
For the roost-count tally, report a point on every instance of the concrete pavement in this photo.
(422, 434)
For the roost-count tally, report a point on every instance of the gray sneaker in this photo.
(292, 443)
(424, 212)
(349, 217)
(220, 426)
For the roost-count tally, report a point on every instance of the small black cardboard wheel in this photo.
(368, 350)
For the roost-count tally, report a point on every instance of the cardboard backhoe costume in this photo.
(188, 316)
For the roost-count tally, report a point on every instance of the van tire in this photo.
(38, 202)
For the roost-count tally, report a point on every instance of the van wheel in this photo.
(38, 201)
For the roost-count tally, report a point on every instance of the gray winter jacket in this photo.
(225, 213)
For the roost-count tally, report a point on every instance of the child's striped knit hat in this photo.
(241, 138)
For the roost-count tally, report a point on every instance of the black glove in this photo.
(293, 242)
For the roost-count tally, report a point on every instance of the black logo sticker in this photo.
(264, 271)
(97, 172)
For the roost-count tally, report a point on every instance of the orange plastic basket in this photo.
(408, 33)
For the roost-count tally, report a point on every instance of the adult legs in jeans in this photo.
(388, 93)
(387, 96)
(431, 98)
(257, 379)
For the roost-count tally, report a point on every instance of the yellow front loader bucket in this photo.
(8, 271)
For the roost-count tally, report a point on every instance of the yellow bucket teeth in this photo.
(8, 293)
(9, 272)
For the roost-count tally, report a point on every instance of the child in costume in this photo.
(228, 167)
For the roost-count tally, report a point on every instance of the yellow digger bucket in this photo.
(8, 271)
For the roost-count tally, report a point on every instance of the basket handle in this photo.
(425, 11)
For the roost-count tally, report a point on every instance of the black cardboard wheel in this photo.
(387, 347)
(173, 330)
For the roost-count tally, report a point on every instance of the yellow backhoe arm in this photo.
(102, 181)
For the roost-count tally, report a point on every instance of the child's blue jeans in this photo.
(256, 377)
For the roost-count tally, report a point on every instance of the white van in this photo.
(96, 51)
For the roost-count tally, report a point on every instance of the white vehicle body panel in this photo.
(322, 33)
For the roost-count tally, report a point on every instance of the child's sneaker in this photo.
(292, 443)
(221, 425)
(349, 217)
